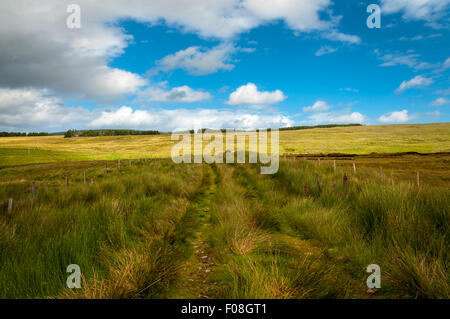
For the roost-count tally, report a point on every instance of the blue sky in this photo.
(176, 66)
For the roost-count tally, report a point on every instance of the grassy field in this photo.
(160, 230)
(155, 229)
(422, 138)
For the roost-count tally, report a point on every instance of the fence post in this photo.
(418, 179)
(334, 165)
(318, 160)
(33, 189)
(67, 181)
(10, 203)
(381, 172)
(106, 168)
(354, 168)
(118, 164)
(84, 176)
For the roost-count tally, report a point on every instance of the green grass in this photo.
(154, 229)
(277, 239)
(123, 231)
(141, 232)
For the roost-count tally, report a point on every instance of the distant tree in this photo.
(70, 133)
(37, 134)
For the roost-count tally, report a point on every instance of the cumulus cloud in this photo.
(299, 15)
(325, 50)
(40, 110)
(395, 117)
(183, 119)
(32, 109)
(183, 94)
(38, 50)
(416, 9)
(249, 94)
(416, 82)
(199, 61)
(440, 101)
(343, 117)
(318, 106)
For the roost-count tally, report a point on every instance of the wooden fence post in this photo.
(118, 164)
(334, 165)
(354, 168)
(381, 172)
(318, 160)
(418, 179)
(67, 181)
(33, 189)
(84, 176)
(10, 203)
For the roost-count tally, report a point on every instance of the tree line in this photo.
(92, 133)
(10, 134)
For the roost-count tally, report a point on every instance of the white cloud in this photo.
(318, 106)
(395, 59)
(416, 9)
(38, 50)
(29, 109)
(183, 119)
(411, 60)
(342, 37)
(443, 92)
(440, 101)
(434, 114)
(299, 14)
(396, 117)
(199, 61)
(343, 117)
(443, 66)
(421, 37)
(249, 94)
(39, 110)
(177, 94)
(416, 82)
(325, 50)
(349, 90)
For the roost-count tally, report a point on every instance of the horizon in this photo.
(286, 128)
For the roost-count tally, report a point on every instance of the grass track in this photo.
(194, 280)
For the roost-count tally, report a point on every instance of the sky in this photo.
(174, 65)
